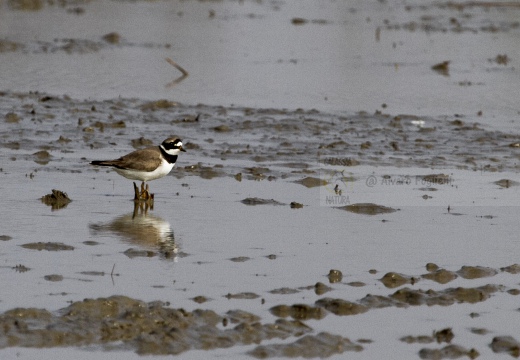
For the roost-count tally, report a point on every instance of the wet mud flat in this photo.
(241, 253)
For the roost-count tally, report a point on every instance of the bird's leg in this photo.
(137, 195)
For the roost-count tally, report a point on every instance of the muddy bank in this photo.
(123, 323)
(289, 143)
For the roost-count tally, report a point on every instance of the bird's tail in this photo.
(102, 163)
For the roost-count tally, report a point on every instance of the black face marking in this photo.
(170, 145)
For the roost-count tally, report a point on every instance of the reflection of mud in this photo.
(57, 199)
(149, 232)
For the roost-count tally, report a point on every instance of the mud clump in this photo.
(392, 280)
(48, 246)
(448, 352)
(119, 322)
(335, 276)
(476, 272)
(440, 276)
(341, 307)
(158, 105)
(311, 182)
(506, 183)
(506, 344)
(368, 209)
(57, 199)
(298, 312)
(310, 346)
(257, 201)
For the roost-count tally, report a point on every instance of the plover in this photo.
(146, 164)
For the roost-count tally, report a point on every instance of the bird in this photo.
(146, 164)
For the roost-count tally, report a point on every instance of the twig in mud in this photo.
(184, 73)
(113, 267)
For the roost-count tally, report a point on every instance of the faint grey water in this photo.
(349, 56)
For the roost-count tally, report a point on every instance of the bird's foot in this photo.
(143, 194)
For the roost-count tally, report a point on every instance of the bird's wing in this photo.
(144, 160)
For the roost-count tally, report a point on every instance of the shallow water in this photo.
(202, 241)
(443, 180)
(342, 57)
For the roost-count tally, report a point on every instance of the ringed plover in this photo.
(146, 164)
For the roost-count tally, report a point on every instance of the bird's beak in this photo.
(182, 149)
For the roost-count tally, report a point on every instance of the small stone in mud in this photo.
(243, 295)
(296, 205)
(506, 183)
(392, 280)
(432, 267)
(49, 246)
(311, 182)
(93, 273)
(320, 288)
(448, 352)
(200, 299)
(310, 346)
(284, 291)
(112, 38)
(367, 209)
(240, 259)
(476, 272)
(335, 276)
(512, 269)
(341, 307)
(441, 276)
(42, 157)
(442, 68)
(298, 312)
(356, 284)
(90, 242)
(158, 105)
(222, 128)
(21, 268)
(271, 257)
(11, 118)
(132, 253)
(57, 200)
(506, 344)
(53, 278)
(238, 177)
(5, 238)
(445, 335)
(258, 201)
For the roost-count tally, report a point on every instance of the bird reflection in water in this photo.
(151, 233)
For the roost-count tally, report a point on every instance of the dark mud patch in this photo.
(506, 183)
(448, 352)
(445, 335)
(476, 272)
(56, 200)
(393, 280)
(242, 296)
(53, 278)
(506, 344)
(321, 345)
(298, 311)
(368, 209)
(120, 322)
(48, 246)
(258, 201)
(310, 182)
(267, 129)
(5, 238)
